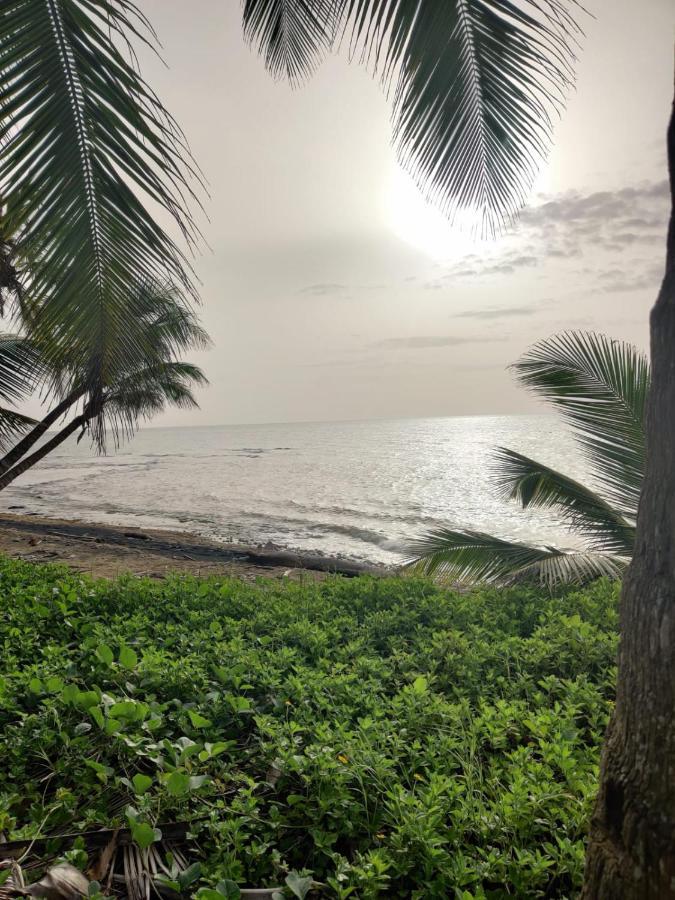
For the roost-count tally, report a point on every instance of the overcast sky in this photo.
(331, 291)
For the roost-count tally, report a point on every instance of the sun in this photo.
(421, 225)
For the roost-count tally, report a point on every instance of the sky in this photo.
(331, 291)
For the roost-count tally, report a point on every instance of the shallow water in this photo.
(359, 489)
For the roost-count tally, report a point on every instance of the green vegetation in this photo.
(600, 387)
(383, 737)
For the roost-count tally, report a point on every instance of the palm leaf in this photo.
(292, 34)
(476, 83)
(12, 425)
(86, 142)
(600, 387)
(473, 556)
(148, 391)
(21, 368)
(530, 483)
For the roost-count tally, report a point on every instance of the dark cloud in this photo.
(422, 342)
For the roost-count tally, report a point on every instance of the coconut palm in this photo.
(600, 387)
(85, 143)
(164, 326)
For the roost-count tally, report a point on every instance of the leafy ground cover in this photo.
(371, 737)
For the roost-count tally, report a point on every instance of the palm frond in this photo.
(148, 391)
(473, 556)
(21, 368)
(600, 387)
(86, 142)
(12, 425)
(476, 83)
(530, 483)
(293, 35)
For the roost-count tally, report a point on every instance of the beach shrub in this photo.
(374, 737)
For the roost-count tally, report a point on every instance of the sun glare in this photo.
(421, 225)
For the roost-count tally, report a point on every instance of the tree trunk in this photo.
(631, 855)
(29, 461)
(36, 433)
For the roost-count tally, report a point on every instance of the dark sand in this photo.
(106, 551)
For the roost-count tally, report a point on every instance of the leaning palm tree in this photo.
(600, 386)
(163, 325)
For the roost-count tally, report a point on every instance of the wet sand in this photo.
(106, 551)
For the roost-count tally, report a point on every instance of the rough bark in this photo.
(29, 461)
(34, 435)
(631, 854)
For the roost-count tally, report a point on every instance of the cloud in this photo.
(623, 229)
(324, 290)
(616, 280)
(422, 342)
(497, 313)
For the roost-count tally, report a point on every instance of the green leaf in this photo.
(125, 709)
(198, 721)
(228, 889)
(144, 834)
(420, 685)
(54, 684)
(105, 654)
(178, 783)
(298, 885)
(141, 783)
(97, 715)
(128, 657)
(189, 876)
(35, 686)
(102, 772)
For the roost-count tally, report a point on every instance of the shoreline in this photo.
(106, 551)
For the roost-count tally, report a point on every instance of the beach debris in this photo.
(138, 535)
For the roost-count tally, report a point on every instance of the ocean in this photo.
(357, 489)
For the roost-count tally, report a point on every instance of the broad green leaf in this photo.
(299, 885)
(178, 783)
(125, 709)
(128, 657)
(105, 654)
(54, 684)
(198, 721)
(189, 876)
(144, 834)
(420, 685)
(141, 783)
(35, 686)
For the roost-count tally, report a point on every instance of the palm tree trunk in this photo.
(34, 435)
(29, 461)
(631, 854)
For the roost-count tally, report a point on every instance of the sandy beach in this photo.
(107, 551)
